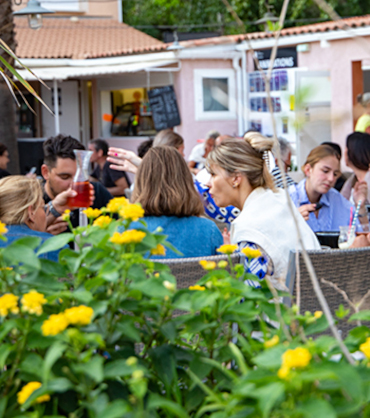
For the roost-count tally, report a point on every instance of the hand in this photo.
(226, 236)
(57, 227)
(60, 202)
(305, 210)
(122, 154)
(360, 193)
(122, 165)
(361, 241)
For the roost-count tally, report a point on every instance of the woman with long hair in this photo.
(164, 188)
(323, 207)
(240, 177)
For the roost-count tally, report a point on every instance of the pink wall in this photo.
(338, 60)
(184, 87)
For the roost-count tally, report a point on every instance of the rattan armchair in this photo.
(188, 270)
(349, 270)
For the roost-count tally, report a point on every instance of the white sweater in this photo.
(266, 221)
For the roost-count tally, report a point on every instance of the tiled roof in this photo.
(81, 38)
(352, 22)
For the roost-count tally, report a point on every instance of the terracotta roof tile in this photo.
(81, 39)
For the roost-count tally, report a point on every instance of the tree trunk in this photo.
(7, 104)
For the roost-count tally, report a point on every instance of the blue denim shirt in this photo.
(335, 211)
(19, 231)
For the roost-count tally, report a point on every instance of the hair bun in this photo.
(259, 142)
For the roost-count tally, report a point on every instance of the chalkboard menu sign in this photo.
(164, 107)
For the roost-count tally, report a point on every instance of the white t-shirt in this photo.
(197, 155)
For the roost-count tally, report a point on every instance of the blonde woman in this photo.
(240, 177)
(23, 210)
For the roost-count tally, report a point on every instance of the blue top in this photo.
(193, 236)
(335, 211)
(19, 231)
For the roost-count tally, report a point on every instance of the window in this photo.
(214, 94)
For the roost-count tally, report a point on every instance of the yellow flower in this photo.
(27, 391)
(283, 372)
(115, 204)
(222, 264)
(272, 342)
(197, 287)
(318, 314)
(32, 302)
(3, 229)
(249, 253)
(131, 361)
(169, 286)
(92, 213)
(158, 250)
(132, 211)
(102, 221)
(79, 315)
(299, 357)
(207, 265)
(8, 302)
(54, 325)
(227, 248)
(66, 215)
(131, 236)
(137, 374)
(365, 348)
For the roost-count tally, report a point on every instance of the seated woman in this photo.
(357, 157)
(240, 177)
(164, 187)
(22, 209)
(322, 168)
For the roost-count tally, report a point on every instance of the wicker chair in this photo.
(349, 270)
(188, 270)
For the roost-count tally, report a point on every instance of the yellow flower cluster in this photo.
(298, 358)
(116, 204)
(3, 229)
(32, 302)
(92, 213)
(249, 253)
(207, 265)
(158, 250)
(365, 347)
(28, 390)
(272, 342)
(132, 211)
(131, 236)
(227, 248)
(66, 215)
(318, 314)
(8, 303)
(197, 287)
(102, 221)
(79, 315)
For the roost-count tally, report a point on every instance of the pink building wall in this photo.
(191, 129)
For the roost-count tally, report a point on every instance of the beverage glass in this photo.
(81, 180)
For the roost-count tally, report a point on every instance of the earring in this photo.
(235, 185)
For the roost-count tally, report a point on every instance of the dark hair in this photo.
(334, 146)
(60, 146)
(358, 150)
(144, 147)
(3, 148)
(100, 144)
(164, 185)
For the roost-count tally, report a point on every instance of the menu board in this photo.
(164, 108)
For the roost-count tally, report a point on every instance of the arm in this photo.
(192, 167)
(360, 194)
(119, 188)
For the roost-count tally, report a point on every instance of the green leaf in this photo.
(271, 358)
(319, 325)
(93, 368)
(116, 409)
(117, 368)
(5, 350)
(341, 312)
(157, 402)
(55, 243)
(316, 408)
(52, 355)
(33, 365)
(3, 403)
(60, 385)
(30, 242)
(362, 316)
(109, 272)
(267, 396)
(20, 254)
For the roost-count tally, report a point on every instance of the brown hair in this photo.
(17, 193)
(318, 153)
(245, 157)
(164, 185)
(169, 138)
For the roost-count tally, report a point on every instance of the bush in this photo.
(96, 336)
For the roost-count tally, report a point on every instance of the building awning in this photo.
(70, 72)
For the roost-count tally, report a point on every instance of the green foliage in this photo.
(149, 349)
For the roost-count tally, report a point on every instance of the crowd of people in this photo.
(227, 181)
